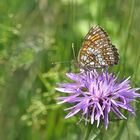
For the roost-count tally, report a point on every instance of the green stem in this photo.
(88, 131)
(128, 31)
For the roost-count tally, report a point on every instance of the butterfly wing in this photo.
(97, 50)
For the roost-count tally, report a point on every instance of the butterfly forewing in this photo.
(97, 50)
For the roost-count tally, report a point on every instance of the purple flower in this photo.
(95, 95)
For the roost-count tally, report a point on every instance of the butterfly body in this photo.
(97, 50)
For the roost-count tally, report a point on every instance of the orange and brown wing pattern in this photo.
(97, 50)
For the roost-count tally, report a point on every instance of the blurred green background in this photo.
(35, 33)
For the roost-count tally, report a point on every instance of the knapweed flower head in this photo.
(95, 95)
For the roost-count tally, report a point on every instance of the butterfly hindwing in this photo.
(97, 50)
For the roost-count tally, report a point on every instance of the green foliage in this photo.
(35, 33)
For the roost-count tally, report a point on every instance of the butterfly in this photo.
(97, 51)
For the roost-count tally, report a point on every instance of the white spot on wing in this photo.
(103, 63)
(87, 61)
(85, 57)
(92, 63)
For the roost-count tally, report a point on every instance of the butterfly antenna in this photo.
(55, 63)
(73, 50)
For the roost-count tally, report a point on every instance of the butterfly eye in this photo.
(97, 50)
